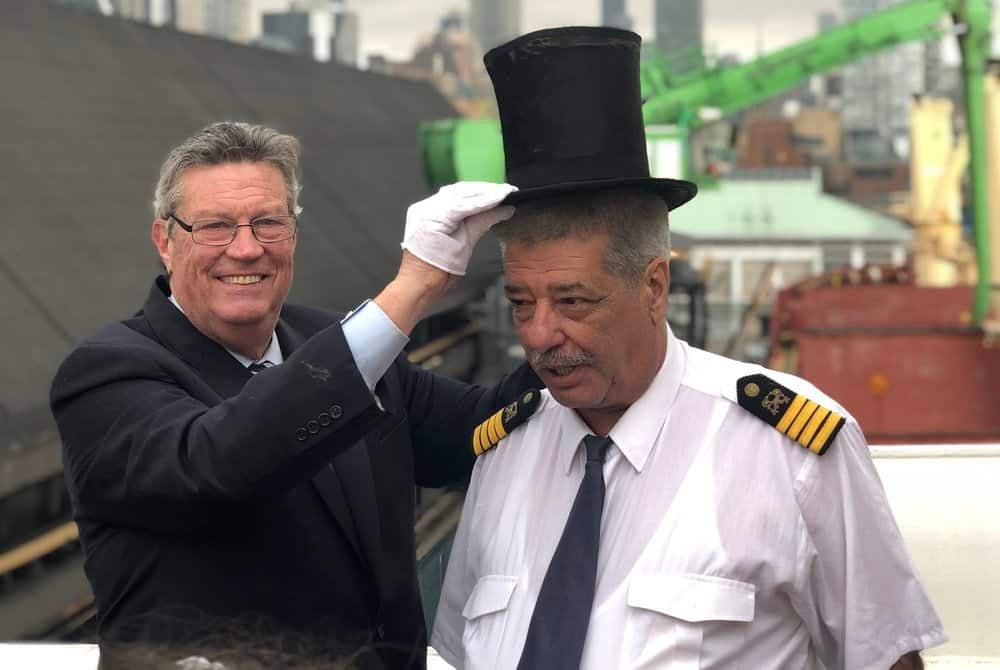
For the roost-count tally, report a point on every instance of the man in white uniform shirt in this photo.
(658, 510)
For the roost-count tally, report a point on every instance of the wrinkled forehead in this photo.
(575, 260)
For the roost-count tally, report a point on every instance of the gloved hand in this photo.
(442, 230)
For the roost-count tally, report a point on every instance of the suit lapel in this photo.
(214, 364)
(354, 470)
(226, 376)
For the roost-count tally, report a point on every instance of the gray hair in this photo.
(634, 220)
(228, 142)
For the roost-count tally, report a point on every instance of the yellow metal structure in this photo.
(991, 322)
(937, 162)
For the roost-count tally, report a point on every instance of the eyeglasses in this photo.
(219, 233)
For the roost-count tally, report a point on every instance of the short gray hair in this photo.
(228, 142)
(634, 220)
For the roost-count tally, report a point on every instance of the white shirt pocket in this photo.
(684, 621)
(485, 615)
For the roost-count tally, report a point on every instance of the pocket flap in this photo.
(491, 594)
(693, 597)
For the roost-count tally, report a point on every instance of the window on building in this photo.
(836, 257)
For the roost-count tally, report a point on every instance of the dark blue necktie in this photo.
(254, 368)
(558, 626)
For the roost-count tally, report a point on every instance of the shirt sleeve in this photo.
(374, 341)
(459, 581)
(856, 589)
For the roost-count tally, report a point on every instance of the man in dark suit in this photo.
(234, 460)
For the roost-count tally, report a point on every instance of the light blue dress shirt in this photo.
(372, 337)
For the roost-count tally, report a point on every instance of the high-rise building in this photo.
(494, 22)
(827, 87)
(155, 12)
(679, 28)
(324, 30)
(615, 14)
(825, 21)
(346, 36)
(289, 29)
(877, 92)
(137, 10)
(226, 19)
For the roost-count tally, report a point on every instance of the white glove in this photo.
(442, 230)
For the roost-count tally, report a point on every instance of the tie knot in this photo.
(254, 368)
(597, 447)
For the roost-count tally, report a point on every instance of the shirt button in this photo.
(312, 427)
(380, 631)
(336, 411)
(301, 434)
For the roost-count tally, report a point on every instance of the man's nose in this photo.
(543, 331)
(245, 245)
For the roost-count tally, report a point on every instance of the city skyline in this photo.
(392, 27)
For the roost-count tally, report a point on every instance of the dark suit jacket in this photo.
(204, 493)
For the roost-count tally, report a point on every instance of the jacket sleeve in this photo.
(444, 413)
(142, 449)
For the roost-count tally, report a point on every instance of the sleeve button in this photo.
(312, 426)
(301, 434)
(336, 411)
(324, 419)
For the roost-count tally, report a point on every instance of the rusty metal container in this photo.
(902, 359)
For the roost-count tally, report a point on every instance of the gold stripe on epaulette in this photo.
(814, 423)
(489, 433)
(792, 414)
(800, 420)
(498, 425)
(477, 447)
(823, 438)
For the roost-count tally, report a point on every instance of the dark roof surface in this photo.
(89, 106)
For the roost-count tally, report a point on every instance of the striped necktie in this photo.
(558, 625)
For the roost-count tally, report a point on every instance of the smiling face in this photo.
(595, 340)
(234, 293)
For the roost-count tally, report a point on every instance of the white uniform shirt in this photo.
(724, 544)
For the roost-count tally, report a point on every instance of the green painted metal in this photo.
(461, 150)
(733, 88)
(975, 45)
(478, 153)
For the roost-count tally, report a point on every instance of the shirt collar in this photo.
(272, 353)
(637, 429)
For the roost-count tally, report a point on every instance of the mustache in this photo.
(558, 359)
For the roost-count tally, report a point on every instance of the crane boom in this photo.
(737, 87)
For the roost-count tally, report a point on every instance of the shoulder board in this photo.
(792, 414)
(489, 433)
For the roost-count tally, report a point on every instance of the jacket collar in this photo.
(210, 359)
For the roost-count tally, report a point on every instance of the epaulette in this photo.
(489, 433)
(807, 422)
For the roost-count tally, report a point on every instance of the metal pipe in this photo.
(975, 46)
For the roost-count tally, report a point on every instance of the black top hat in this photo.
(571, 114)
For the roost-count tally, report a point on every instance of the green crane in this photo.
(463, 149)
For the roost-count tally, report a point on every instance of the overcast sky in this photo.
(731, 26)
(394, 27)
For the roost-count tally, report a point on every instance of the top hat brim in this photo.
(675, 192)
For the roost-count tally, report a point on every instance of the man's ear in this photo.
(161, 240)
(656, 286)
